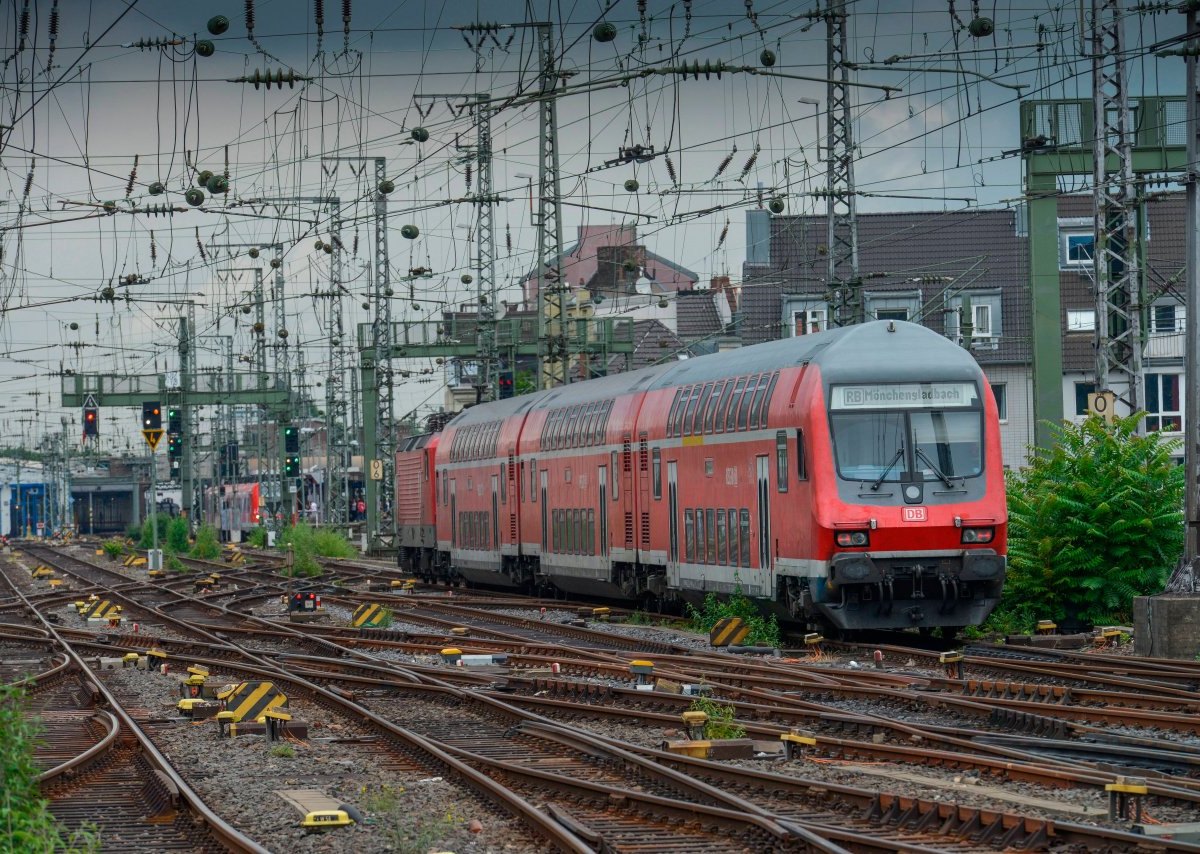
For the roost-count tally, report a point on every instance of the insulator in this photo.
(218, 24)
(319, 14)
(156, 210)
(386, 186)
(776, 205)
(420, 134)
(203, 177)
(708, 68)
(205, 48)
(507, 238)
(724, 234)
(468, 177)
(282, 333)
(200, 244)
(73, 326)
(110, 207)
(366, 306)
(53, 22)
(246, 309)
(409, 232)
(153, 249)
(194, 197)
(265, 77)
(725, 163)
(604, 32)
(631, 185)
(317, 246)
(389, 292)
(132, 178)
(157, 188)
(671, 171)
(258, 328)
(25, 21)
(28, 183)
(767, 58)
(131, 279)
(466, 278)
(276, 263)
(327, 248)
(249, 16)
(154, 44)
(217, 185)
(750, 163)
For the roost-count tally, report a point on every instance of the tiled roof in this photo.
(653, 343)
(977, 250)
(696, 315)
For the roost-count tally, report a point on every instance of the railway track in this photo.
(331, 665)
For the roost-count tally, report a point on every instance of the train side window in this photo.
(765, 407)
(656, 465)
(781, 461)
(745, 536)
(701, 555)
(731, 515)
(713, 406)
(722, 406)
(591, 529)
(533, 481)
(721, 537)
(579, 544)
(574, 535)
(689, 536)
(697, 425)
(731, 415)
(693, 399)
(801, 464)
(554, 531)
(616, 479)
(743, 418)
(445, 488)
(503, 486)
(672, 419)
(711, 532)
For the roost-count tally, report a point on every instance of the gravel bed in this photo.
(662, 634)
(406, 808)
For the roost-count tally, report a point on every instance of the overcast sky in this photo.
(82, 113)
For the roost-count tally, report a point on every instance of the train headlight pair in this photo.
(852, 539)
(975, 536)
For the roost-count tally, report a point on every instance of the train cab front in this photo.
(915, 531)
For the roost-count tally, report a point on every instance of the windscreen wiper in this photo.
(887, 471)
(946, 480)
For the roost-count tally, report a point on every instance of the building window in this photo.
(1166, 318)
(983, 320)
(808, 321)
(1078, 248)
(1164, 410)
(1082, 390)
(1000, 393)
(1081, 320)
(891, 314)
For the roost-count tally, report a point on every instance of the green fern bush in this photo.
(1093, 522)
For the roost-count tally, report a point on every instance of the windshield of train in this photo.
(907, 431)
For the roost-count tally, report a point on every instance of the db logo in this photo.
(914, 514)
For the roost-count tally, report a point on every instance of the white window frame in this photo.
(982, 320)
(1081, 320)
(819, 316)
(1177, 323)
(1155, 418)
(1065, 259)
(1001, 411)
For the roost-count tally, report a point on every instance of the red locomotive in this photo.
(850, 479)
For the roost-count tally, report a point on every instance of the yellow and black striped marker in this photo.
(248, 700)
(41, 571)
(100, 609)
(235, 556)
(730, 630)
(369, 614)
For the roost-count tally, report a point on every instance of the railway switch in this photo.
(644, 671)
(1123, 793)
(953, 663)
(694, 724)
(812, 642)
(460, 631)
(1046, 627)
(796, 742)
(451, 655)
(130, 659)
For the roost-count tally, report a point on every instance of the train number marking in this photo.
(914, 514)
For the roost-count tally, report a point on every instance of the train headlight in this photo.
(852, 539)
(978, 535)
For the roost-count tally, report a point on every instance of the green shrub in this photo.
(720, 719)
(283, 751)
(133, 532)
(1093, 522)
(764, 631)
(177, 535)
(257, 538)
(206, 546)
(301, 539)
(174, 564)
(25, 818)
(146, 537)
(327, 543)
(113, 548)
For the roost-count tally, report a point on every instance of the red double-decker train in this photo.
(850, 479)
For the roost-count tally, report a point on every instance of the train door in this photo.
(602, 481)
(764, 512)
(543, 488)
(495, 512)
(453, 517)
(673, 510)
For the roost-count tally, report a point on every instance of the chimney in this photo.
(721, 283)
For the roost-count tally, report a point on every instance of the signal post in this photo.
(152, 432)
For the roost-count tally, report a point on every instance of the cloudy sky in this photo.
(96, 87)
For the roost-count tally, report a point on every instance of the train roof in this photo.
(884, 351)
